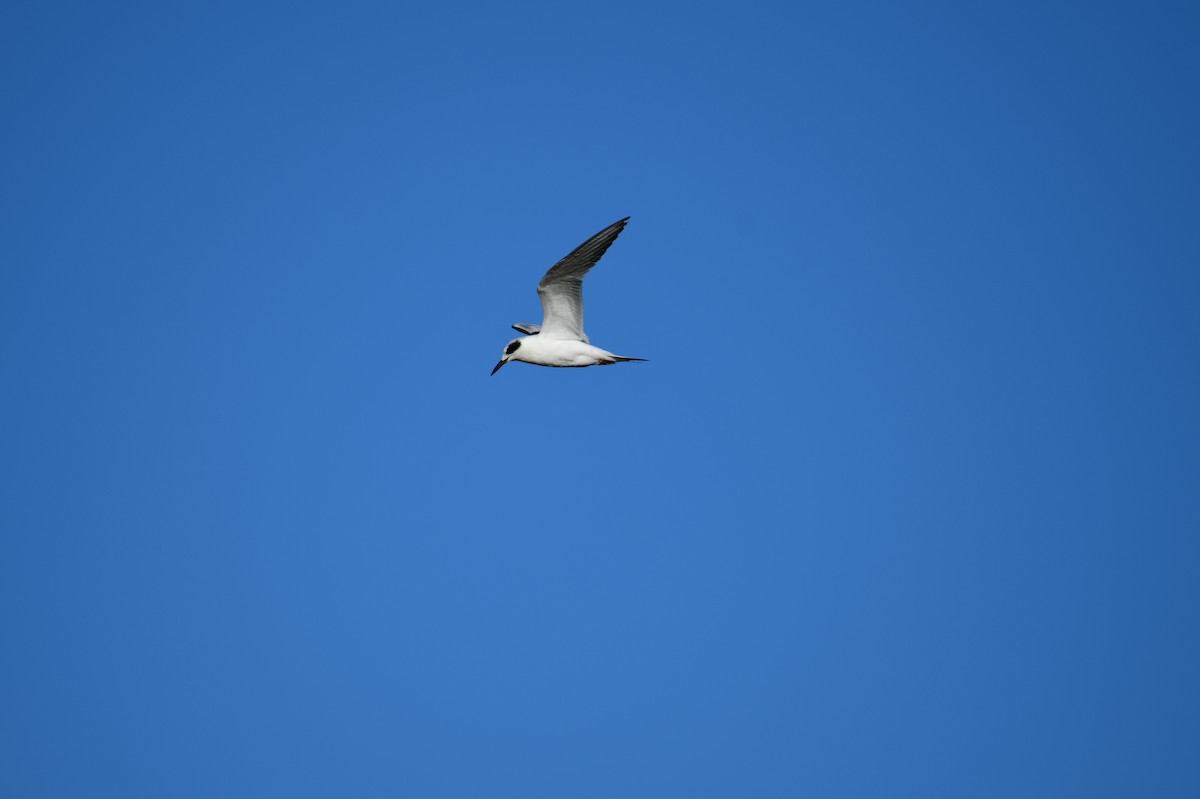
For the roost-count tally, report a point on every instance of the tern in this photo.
(559, 340)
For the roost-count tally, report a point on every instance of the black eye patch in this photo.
(512, 347)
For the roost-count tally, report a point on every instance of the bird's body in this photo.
(559, 340)
(542, 351)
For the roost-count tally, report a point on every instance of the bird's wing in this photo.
(561, 290)
(528, 328)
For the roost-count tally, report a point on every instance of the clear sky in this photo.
(906, 502)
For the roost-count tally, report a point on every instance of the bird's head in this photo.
(510, 351)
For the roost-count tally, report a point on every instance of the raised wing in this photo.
(528, 328)
(561, 290)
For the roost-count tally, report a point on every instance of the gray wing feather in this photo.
(529, 328)
(561, 290)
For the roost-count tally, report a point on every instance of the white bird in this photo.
(559, 340)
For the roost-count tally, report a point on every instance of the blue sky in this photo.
(905, 503)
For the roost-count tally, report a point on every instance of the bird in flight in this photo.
(559, 340)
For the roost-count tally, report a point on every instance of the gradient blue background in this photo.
(906, 503)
